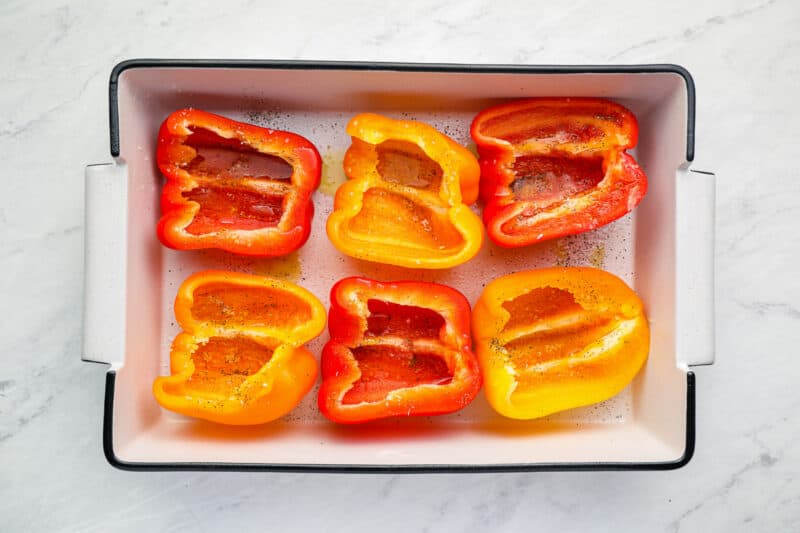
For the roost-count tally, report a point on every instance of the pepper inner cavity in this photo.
(239, 188)
(235, 208)
(388, 367)
(223, 363)
(406, 321)
(396, 217)
(219, 157)
(551, 180)
(547, 324)
(248, 306)
(407, 164)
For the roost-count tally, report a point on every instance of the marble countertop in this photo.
(56, 59)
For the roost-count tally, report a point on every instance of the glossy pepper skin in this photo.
(234, 186)
(396, 349)
(557, 338)
(406, 199)
(241, 358)
(552, 167)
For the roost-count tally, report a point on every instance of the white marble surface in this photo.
(56, 57)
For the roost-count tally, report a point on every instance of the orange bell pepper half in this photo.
(240, 359)
(552, 167)
(406, 200)
(234, 186)
(557, 338)
(396, 349)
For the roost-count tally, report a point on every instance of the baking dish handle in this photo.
(105, 259)
(694, 267)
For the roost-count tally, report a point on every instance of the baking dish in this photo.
(664, 250)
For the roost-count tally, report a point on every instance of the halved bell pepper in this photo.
(405, 202)
(240, 359)
(557, 338)
(234, 186)
(552, 167)
(396, 349)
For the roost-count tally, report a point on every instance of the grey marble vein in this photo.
(694, 31)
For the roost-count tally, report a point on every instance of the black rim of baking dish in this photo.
(113, 109)
(108, 415)
(111, 456)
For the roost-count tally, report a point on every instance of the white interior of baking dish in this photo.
(645, 423)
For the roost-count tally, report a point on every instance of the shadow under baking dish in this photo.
(649, 425)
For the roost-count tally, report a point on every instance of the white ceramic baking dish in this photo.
(664, 250)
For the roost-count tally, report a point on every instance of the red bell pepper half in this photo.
(234, 186)
(396, 349)
(552, 167)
